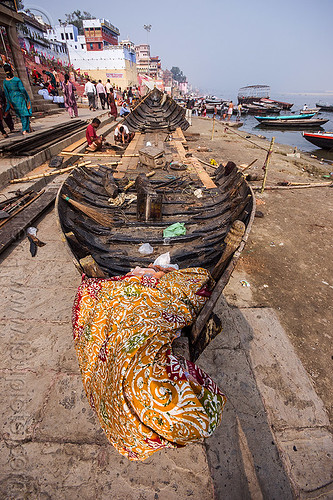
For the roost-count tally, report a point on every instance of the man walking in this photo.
(101, 92)
(90, 92)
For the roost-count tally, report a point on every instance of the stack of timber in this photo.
(106, 213)
(39, 141)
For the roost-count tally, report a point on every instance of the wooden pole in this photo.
(249, 165)
(97, 154)
(313, 185)
(213, 128)
(265, 167)
(54, 172)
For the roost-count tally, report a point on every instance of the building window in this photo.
(91, 46)
(71, 36)
(99, 45)
(66, 35)
(62, 36)
(76, 46)
(82, 46)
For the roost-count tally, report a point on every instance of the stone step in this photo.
(21, 167)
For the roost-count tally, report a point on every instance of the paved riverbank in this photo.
(273, 441)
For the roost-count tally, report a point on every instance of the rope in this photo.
(248, 140)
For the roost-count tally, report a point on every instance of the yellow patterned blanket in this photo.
(145, 397)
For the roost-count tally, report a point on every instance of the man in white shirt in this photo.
(101, 92)
(90, 92)
(122, 134)
(108, 88)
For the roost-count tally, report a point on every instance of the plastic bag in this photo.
(177, 229)
(164, 261)
(146, 249)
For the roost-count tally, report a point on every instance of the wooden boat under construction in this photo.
(107, 212)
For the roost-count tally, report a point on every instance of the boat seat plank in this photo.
(129, 162)
(206, 180)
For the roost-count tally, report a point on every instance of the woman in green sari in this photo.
(17, 98)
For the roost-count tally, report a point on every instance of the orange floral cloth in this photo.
(145, 397)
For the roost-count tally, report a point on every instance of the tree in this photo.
(178, 74)
(77, 17)
(19, 5)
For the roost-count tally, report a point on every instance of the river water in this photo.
(289, 137)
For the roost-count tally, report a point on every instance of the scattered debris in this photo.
(259, 214)
(245, 283)
(213, 162)
(253, 177)
(146, 249)
(203, 149)
(260, 202)
(176, 229)
(34, 241)
(121, 198)
(198, 193)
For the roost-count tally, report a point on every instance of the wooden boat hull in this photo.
(298, 123)
(321, 140)
(105, 238)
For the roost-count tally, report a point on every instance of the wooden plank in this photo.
(206, 180)
(14, 228)
(75, 145)
(129, 162)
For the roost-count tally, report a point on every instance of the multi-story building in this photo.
(99, 34)
(147, 64)
(142, 58)
(33, 38)
(155, 67)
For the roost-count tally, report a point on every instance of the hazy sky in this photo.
(223, 45)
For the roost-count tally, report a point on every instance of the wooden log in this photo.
(131, 183)
(149, 203)
(91, 268)
(232, 241)
(110, 185)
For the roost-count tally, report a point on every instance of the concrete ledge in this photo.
(19, 167)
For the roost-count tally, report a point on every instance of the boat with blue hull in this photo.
(284, 117)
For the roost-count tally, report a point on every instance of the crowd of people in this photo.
(109, 96)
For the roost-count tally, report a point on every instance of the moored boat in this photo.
(299, 123)
(309, 110)
(324, 107)
(106, 214)
(322, 140)
(262, 119)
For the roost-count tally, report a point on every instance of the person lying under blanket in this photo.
(145, 397)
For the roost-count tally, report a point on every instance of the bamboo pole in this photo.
(265, 167)
(48, 174)
(315, 184)
(213, 128)
(249, 165)
(99, 155)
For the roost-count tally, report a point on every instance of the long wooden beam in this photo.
(206, 180)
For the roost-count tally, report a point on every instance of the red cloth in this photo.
(91, 135)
